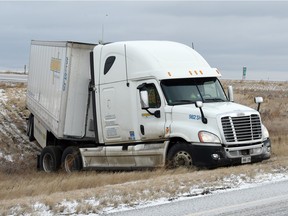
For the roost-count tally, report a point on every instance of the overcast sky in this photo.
(229, 35)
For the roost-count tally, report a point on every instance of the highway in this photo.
(7, 77)
(265, 200)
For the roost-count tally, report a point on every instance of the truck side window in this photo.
(154, 98)
(108, 63)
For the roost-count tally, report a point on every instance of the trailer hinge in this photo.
(92, 88)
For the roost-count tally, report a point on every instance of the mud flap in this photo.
(38, 163)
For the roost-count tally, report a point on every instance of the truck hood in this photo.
(212, 110)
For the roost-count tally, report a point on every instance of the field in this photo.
(24, 190)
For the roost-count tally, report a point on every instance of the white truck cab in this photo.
(140, 104)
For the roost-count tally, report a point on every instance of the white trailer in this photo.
(135, 104)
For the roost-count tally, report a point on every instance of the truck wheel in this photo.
(71, 159)
(30, 128)
(50, 159)
(180, 155)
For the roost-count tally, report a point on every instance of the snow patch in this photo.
(6, 157)
(69, 207)
(41, 207)
(3, 96)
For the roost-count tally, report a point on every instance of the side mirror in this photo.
(258, 100)
(199, 104)
(144, 99)
(230, 93)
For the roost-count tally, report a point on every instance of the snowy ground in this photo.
(232, 182)
(14, 144)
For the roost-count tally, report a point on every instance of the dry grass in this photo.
(21, 186)
(13, 141)
(115, 189)
(274, 110)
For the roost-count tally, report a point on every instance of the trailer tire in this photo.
(50, 159)
(30, 128)
(71, 159)
(180, 155)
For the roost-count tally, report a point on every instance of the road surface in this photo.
(13, 77)
(265, 200)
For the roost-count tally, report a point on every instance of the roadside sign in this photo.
(244, 73)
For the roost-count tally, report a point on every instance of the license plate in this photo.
(246, 159)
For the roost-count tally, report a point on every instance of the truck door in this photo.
(151, 113)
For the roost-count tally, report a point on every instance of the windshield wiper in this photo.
(179, 102)
(215, 99)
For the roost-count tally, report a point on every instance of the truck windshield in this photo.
(185, 91)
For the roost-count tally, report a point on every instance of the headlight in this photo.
(265, 132)
(208, 137)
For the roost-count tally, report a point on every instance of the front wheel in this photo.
(180, 155)
(71, 159)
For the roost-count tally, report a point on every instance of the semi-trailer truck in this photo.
(135, 104)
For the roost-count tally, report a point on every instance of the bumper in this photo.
(215, 155)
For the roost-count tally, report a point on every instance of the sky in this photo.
(230, 35)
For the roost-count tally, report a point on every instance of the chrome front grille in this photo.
(243, 128)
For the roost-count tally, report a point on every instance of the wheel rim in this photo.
(48, 162)
(69, 163)
(182, 159)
